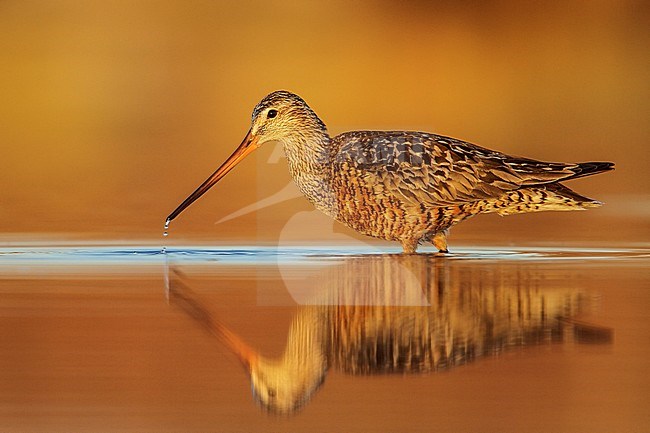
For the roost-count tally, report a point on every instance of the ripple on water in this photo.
(147, 255)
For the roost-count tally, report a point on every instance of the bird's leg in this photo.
(409, 245)
(440, 241)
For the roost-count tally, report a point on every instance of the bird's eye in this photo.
(271, 114)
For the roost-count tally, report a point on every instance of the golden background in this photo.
(113, 112)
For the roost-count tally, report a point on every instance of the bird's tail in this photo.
(550, 197)
(590, 168)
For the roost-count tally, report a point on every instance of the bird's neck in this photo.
(309, 156)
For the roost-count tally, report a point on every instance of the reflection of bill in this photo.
(400, 315)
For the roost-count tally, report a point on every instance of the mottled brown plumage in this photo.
(402, 186)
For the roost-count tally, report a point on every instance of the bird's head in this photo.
(280, 116)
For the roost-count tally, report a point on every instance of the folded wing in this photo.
(437, 171)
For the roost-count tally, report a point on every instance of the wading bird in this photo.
(403, 186)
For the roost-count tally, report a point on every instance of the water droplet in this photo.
(167, 221)
(165, 233)
(164, 250)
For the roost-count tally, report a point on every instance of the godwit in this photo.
(409, 314)
(403, 186)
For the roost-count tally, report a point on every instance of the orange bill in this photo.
(247, 146)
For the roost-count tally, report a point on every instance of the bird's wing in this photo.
(436, 170)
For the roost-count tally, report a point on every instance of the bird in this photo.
(404, 186)
(396, 315)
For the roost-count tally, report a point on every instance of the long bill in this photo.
(248, 145)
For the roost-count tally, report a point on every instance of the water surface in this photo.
(106, 338)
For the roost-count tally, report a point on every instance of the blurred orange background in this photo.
(113, 112)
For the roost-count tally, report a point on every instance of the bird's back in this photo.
(392, 184)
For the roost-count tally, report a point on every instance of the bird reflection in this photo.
(400, 314)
